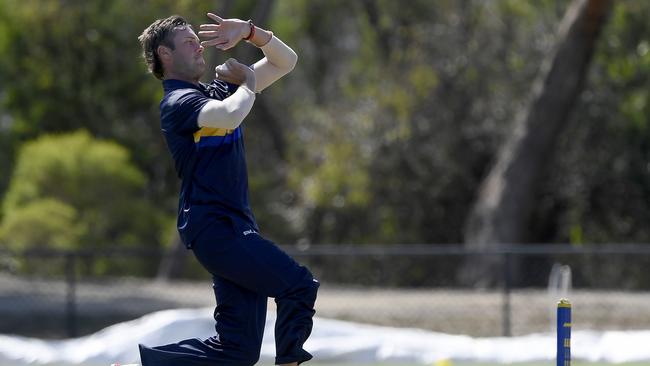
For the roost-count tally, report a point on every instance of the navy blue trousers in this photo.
(246, 270)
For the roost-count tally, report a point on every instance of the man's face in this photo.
(187, 56)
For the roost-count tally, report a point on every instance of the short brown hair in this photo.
(160, 32)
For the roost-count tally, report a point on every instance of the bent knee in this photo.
(308, 286)
(305, 288)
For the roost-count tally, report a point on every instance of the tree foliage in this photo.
(599, 188)
(381, 134)
(73, 191)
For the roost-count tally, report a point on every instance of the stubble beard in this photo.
(192, 70)
(196, 70)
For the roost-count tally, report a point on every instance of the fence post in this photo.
(71, 296)
(506, 310)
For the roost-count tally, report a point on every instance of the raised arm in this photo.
(230, 112)
(279, 58)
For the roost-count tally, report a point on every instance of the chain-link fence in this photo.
(59, 294)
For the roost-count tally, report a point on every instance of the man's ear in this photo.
(164, 52)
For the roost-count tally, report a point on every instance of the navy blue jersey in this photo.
(211, 162)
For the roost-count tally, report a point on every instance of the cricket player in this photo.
(202, 125)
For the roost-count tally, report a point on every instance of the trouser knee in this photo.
(312, 288)
(306, 288)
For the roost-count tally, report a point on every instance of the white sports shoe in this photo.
(130, 364)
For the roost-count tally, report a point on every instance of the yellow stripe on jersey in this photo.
(211, 131)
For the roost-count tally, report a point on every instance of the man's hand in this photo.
(234, 72)
(225, 34)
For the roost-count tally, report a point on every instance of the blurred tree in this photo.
(401, 109)
(507, 195)
(76, 64)
(599, 189)
(72, 191)
(381, 134)
(44, 223)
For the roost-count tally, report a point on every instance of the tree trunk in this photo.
(506, 196)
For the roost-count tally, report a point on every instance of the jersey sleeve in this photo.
(232, 88)
(180, 109)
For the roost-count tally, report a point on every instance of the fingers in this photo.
(230, 71)
(208, 34)
(221, 69)
(225, 68)
(217, 19)
(217, 42)
(209, 27)
(232, 63)
(223, 35)
(231, 68)
(209, 31)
